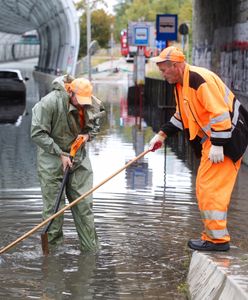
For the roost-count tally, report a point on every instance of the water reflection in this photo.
(12, 96)
(17, 156)
(59, 272)
(12, 114)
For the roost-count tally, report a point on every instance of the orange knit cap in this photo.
(170, 53)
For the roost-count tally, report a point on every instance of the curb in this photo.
(218, 275)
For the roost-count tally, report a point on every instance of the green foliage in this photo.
(100, 30)
(120, 22)
(82, 4)
(183, 288)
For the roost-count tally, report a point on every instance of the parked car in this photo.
(12, 95)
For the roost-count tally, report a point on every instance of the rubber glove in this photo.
(156, 142)
(216, 154)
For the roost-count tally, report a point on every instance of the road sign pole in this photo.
(88, 38)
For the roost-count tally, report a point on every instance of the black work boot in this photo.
(207, 246)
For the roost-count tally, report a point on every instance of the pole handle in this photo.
(58, 199)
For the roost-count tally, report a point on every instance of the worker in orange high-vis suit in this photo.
(204, 108)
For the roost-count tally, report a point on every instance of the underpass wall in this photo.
(11, 48)
(220, 42)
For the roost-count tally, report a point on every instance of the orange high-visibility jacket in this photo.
(205, 106)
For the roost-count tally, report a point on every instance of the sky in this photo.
(111, 4)
(109, 8)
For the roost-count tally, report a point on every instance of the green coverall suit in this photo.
(55, 125)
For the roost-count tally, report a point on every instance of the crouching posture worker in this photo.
(68, 111)
(205, 108)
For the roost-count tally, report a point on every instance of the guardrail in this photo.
(158, 101)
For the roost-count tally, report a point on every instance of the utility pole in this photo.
(112, 44)
(88, 13)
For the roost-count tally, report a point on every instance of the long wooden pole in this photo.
(72, 203)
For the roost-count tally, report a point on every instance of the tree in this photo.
(120, 21)
(100, 29)
(81, 5)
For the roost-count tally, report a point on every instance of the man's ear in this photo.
(67, 87)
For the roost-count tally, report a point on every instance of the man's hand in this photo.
(157, 141)
(216, 154)
(67, 158)
(86, 137)
(66, 161)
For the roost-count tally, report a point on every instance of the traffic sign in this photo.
(166, 26)
(141, 34)
(183, 29)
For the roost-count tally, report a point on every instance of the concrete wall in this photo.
(220, 42)
(12, 48)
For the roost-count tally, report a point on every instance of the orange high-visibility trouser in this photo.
(214, 185)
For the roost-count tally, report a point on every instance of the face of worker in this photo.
(74, 100)
(169, 71)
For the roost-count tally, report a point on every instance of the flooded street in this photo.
(144, 216)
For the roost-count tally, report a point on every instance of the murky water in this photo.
(144, 216)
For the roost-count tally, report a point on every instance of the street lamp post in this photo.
(112, 44)
(88, 38)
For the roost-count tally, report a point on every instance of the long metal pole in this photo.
(88, 16)
(112, 45)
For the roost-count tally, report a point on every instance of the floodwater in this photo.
(144, 216)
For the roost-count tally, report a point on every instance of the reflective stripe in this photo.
(206, 128)
(213, 215)
(203, 140)
(235, 113)
(217, 234)
(224, 116)
(221, 135)
(176, 123)
(220, 118)
(227, 93)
